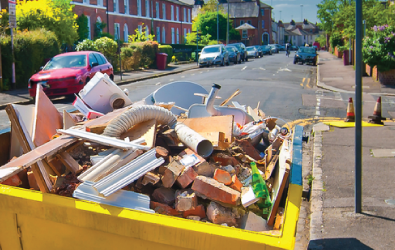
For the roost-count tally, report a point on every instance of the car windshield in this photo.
(237, 46)
(307, 50)
(67, 61)
(230, 49)
(211, 50)
(266, 47)
(250, 49)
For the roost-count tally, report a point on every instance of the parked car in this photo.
(293, 47)
(252, 52)
(68, 73)
(260, 51)
(281, 47)
(306, 55)
(266, 49)
(274, 48)
(234, 54)
(242, 48)
(214, 55)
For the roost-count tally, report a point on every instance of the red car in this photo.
(68, 73)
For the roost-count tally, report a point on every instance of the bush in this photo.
(335, 40)
(31, 50)
(168, 50)
(83, 29)
(379, 49)
(126, 57)
(86, 45)
(150, 49)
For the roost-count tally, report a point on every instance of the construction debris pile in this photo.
(173, 153)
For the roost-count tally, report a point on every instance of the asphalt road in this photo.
(283, 89)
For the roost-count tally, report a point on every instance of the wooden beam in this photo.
(236, 93)
(68, 121)
(69, 162)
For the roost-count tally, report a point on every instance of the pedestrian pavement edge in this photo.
(333, 89)
(119, 83)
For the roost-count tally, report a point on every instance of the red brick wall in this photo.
(387, 77)
(133, 21)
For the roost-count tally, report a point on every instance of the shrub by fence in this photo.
(185, 52)
(168, 50)
(31, 50)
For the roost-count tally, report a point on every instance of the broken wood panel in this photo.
(68, 121)
(26, 115)
(37, 154)
(98, 125)
(268, 154)
(270, 167)
(146, 130)
(222, 124)
(46, 120)
(5, 139)
(253, 114)
(69, 162)
(217, 139)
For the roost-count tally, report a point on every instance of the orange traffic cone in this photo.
(376, 118)
(350, 111)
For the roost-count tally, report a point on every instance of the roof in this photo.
(189, 3)
(242, 9)
(245, 26)
(263, 5)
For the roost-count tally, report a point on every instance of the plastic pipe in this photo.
(195, 141)
(211, 99)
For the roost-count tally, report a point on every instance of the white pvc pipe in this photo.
(195, 141)
(211, 99)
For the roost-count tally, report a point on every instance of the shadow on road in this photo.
(338, 244)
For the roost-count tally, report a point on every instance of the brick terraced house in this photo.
(170, 19)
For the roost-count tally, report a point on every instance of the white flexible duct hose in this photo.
(137, 115)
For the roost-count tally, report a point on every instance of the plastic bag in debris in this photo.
(260, 190)
(251, 129)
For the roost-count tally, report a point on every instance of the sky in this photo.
(291, 9)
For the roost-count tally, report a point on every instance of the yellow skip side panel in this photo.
(49, 221)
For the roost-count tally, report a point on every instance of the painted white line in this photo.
(182, 76)
(171, 79)
(244, 68)
(262, 68)
(285, 69)
(317, 112)
(158, 83)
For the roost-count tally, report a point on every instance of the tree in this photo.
(83, 29)
(141, 36)
(54, 15)
(211, 6)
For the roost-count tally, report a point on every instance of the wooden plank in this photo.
(36, 155)
(146, 130)
(27, 144)
(68, 121)
(217, 139)
(222, 124)
(270, 167)
(236, 93)
(268, 154)
(69, 162)
(98, 125)
(26, 115)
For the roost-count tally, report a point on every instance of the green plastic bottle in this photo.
(260, 190)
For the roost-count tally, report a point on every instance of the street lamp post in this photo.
(217, 25)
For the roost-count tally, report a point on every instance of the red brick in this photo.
(236, 184)
(219, 214)
(185, 200)
(224, 159)
(214, 190)
(249, 149)
(12, 181)
(186, 177)
(223, 176)
(198, 211)
(205, 169)
(163, 209)
(171, 174)
(164, 195)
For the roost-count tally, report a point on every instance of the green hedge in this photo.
(168, 50)
(31, 50)
(186, 46)
(105, 45)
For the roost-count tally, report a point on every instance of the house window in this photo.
(115, 5)
(126, 4)
(125, 33)
(116, 31)
(189, 15)
(139, 7)
(185, 15)
(249, 22)
(185, 35)
(100, 3)
(163, 35)
(241, 22)
(262, 12)
(147, 8)
(158, 34)
(152, 9)
(178, 13)
(157, 10)
(178, 37)
(189, 31)
(245, 33)
(172, 12)
(86, 1)
(172, 36)
(89, 27)
(263, 24)
(163, 11)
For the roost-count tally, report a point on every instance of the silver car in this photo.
(252, 52)
(214, 55)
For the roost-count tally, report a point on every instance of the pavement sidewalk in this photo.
(333, 75)
(21, 96)
(333, 221)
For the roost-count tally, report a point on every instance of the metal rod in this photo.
(108, 22)
(349, 51)
(227, 28)
(217, 25)
(358, 107)
(13, 59)
(197, 45)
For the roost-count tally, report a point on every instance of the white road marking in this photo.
(285, 69)
(157, 83)
(244, 68)
(171, 80)
(182, 76)
(262, 68)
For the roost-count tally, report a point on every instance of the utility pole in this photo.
(217, 25)
(301, 12)
(227, 28)
(358, 106)
(349, 51)
(108, 23)
(12, 23)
